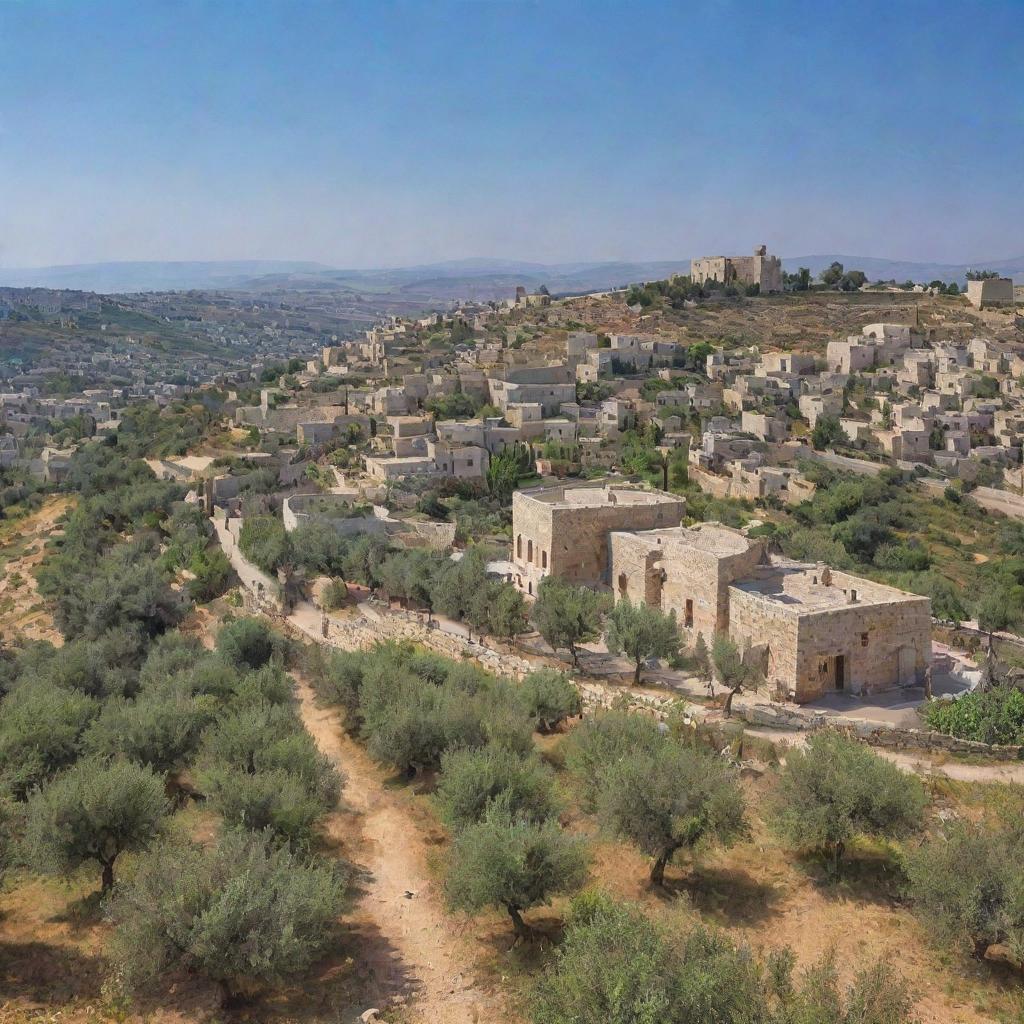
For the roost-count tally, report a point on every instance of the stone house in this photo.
(564, 531)
(818, 630)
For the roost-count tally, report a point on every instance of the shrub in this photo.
(41, 727)
(160, 731)
(617, 966)
(601, 740)
(246, 913)
(247, 643)
(967, 884)
(93, 812)
(264, 541)
(472, 781)
(837, 790)
(334, 595)
(262, 770)
(549, 698)
(992, 716)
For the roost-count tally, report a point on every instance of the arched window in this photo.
(529, 550)
(519, 546)
(543, 559)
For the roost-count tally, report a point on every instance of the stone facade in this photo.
(826, 630)
(564, 531)
(818, 630)
(992, 292)
(686, 570)
(760, 269)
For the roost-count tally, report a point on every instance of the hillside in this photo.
(800, 320)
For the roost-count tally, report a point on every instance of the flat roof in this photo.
(800, 587)
(711, 537)
(596, 497)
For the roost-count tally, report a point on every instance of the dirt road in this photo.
(410, 946)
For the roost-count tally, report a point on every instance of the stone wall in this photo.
(570, 537)
(878, 734)
(802, 647)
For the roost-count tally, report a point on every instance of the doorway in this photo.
(839, 663)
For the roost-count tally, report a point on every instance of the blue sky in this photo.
(373, 134)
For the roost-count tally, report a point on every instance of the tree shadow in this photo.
(361, 969)
(82, 914)
(867, 876)
(730, 896)
(48, 975)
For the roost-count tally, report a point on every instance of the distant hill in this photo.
(114, 278)
(429, 284)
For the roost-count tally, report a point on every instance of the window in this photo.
(863, 639)
(543, 559)
(688, 614)
(519, 546)
(529, 550)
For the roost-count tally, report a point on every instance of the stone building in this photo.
(828, 631)
(564, 531)
(760, 269)
(993, 292)
(817, 629)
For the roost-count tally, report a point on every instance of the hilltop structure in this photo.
(760, 269)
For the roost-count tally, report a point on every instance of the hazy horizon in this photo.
(383, 135)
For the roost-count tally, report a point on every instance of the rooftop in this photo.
(596, 497)
(815, 588)
(710, 537)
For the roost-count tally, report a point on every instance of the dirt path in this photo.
(21, 608)
(410, 947)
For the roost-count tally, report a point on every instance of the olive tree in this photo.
(601, 740)
(567, 616)
(668, 799)
(617, 965)
(837, 790)
(513, 865)
(41, 727)
(246, 913)
(968, 886)
(161, 730)
(640, 632)
(472, 781)
(93, 812)
(549, 698)
(737, 669)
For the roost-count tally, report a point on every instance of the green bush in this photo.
(247, 643)
(549, 698)
(472, 781)
(967, 886)
(245, 914)
(993, 716)
(617, 966)
(837, 790)
(41, 728)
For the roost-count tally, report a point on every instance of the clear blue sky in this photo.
(369, 134)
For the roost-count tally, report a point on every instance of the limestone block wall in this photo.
(883, 644)
(570, 538)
